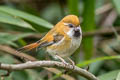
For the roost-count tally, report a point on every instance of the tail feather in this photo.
(29, 47)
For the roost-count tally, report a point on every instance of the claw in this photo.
(62, 60)
(72, 63)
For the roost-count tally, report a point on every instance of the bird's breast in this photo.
(65, 47)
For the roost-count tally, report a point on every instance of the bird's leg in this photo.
(61, 59)
(72, 62)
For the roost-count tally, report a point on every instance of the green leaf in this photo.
(19, 36)
(6, 38)
(56, 76)
(109, 76)
(20, 75)
(118, 76)
(6, 59)
(36, 74)
(4, 41)
(117, 5)
(14, 37)
(95, 67)
(6, 18)
(84, 63)
(26, 16)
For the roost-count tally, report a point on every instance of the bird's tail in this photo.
(29, 47)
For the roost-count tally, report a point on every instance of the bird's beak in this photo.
(77, 28)
(77, 31)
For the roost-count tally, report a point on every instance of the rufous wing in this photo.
(29, 47)
(47, 40)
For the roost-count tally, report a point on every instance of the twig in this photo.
(103, 9)
(101, 32)
(13, 52)
(38, 64)
(109, 19)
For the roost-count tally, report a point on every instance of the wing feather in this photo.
(43, 42)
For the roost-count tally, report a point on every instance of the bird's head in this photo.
(70, 25)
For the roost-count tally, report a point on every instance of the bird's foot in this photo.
(72, 63)
(62, 60)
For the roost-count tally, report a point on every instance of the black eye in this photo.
(71, 25)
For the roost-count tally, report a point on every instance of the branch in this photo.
(30, 58)
(105, 31)
(104, 9)
(38, 64)
(13, 52)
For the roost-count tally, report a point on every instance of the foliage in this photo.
(22, 21)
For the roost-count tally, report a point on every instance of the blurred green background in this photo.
(26, 21)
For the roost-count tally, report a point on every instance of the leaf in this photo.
(14, 37)
(20, 75)
(36, 74)
(19, 36)
(109, 76)
(118, 76)
(26, 16)
(6, 38)
(4, 41)
(84, 63)
(117, 5)
(95, 67)
(6, 18)
(6, 59)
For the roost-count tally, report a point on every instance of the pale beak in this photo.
(77, 28)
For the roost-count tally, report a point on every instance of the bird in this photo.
(62, 40)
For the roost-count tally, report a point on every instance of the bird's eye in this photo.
(71, 25)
